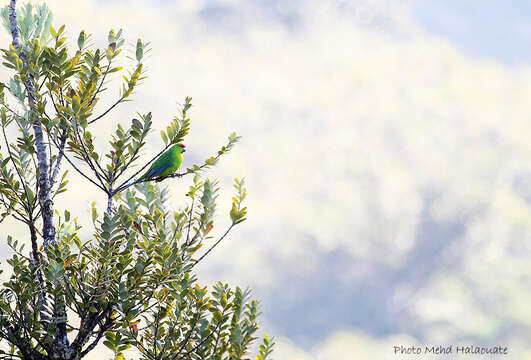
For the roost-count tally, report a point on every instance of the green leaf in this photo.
(81, 39)
(137, 123)
(112, 36)
(76, 103)
(164, 137)
(118, 68)
(234, 213)
(139, 50)
(61, 29)
(210, 161)
(94, 212)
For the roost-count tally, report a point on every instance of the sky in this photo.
(385, 148)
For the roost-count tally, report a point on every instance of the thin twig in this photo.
(201, 343)
(188, 336)
(107, 111)
(126, 166)
(190, 217)
(59, 157)
(213, 246)
(77, 169)
(159, 179)
(5, 86)
(11, 110)
(61, 147)
(87, 158)
(101, 84)
(43, 82)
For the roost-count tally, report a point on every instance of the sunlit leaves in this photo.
(115, 42)
(266, 348)
(213, 160)
(115, 342)
(130, 283)
(126, 145)
(62, 184)
(34, 22)
(208, 203)
(131, 81)
(179, 127)
(238, 212)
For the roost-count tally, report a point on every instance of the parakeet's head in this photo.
(181, 147)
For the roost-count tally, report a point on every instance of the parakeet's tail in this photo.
(131, 184)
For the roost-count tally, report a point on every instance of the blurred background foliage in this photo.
(385, 147)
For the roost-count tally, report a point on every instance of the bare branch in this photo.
(106, 111)
(77, 169)
(88, 159)
(213, 246)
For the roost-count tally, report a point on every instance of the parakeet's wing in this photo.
(154, 172)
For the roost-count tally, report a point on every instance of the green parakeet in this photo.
(165, 165)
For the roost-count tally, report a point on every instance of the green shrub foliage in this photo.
(131, 285)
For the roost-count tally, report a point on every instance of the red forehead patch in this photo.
(182, 145)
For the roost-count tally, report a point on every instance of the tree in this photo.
(130, 285)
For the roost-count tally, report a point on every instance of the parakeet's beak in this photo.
(184, 150)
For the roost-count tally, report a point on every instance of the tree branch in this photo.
(48, 228)
(109, 201)
(108, 324)
(159, 179)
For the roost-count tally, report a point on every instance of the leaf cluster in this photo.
(131, 284)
